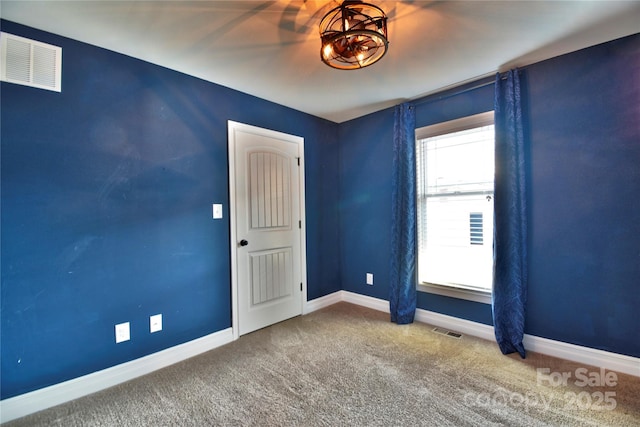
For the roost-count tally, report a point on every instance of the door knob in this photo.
(243, 242)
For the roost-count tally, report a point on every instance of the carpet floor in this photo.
(347, 365)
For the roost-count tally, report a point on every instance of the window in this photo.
(455, 180)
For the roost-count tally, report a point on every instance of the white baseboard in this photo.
(345, 296)
(322, 302)
(575, 353)
(456, 324)
(44, 398)
(365, 301)
(57, 394)
(588, 356)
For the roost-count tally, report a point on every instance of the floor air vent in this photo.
(447, 333)
(30, 63)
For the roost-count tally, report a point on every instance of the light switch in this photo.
(217, 211)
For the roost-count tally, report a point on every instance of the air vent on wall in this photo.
(31, 63)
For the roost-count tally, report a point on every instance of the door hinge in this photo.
(300, 286)
(300, 225)
(298, 160)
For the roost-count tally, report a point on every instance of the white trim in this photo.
(366, 301)
(456, 324)
(322, 302)
(463, 123)
(575, 353)
(589, 356)
(453, 292)
(303, 227)
(28, 403)
(232, 230)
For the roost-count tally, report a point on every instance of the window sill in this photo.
(460, 293)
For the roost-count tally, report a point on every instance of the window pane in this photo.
(460, 161)
(455, 208)
(446, 253)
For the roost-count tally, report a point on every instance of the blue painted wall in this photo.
(584, 113)
(106, 211)
(583, 129)
(366, 155)
(107, 190)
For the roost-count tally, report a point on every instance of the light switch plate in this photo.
(123, 332)
(217, 211)
(155, 323)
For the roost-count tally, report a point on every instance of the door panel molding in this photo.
(271, 275)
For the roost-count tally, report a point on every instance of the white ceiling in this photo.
(271, 49)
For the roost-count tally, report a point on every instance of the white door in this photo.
(266, 180)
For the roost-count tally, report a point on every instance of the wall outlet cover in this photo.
(369, 278)
(155, 323)
(123, 332)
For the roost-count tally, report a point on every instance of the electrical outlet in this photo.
(123, 332)
(155, 323)
(369, 278)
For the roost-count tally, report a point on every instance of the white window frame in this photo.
(469, 122)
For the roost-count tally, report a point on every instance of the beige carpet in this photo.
(349, 366)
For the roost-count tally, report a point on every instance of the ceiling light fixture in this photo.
(354, 35)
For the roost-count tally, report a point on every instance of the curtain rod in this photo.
(454, 91)
(459, 90)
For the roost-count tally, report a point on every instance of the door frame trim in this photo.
(231, 127)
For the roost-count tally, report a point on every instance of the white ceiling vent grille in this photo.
(31, 63)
